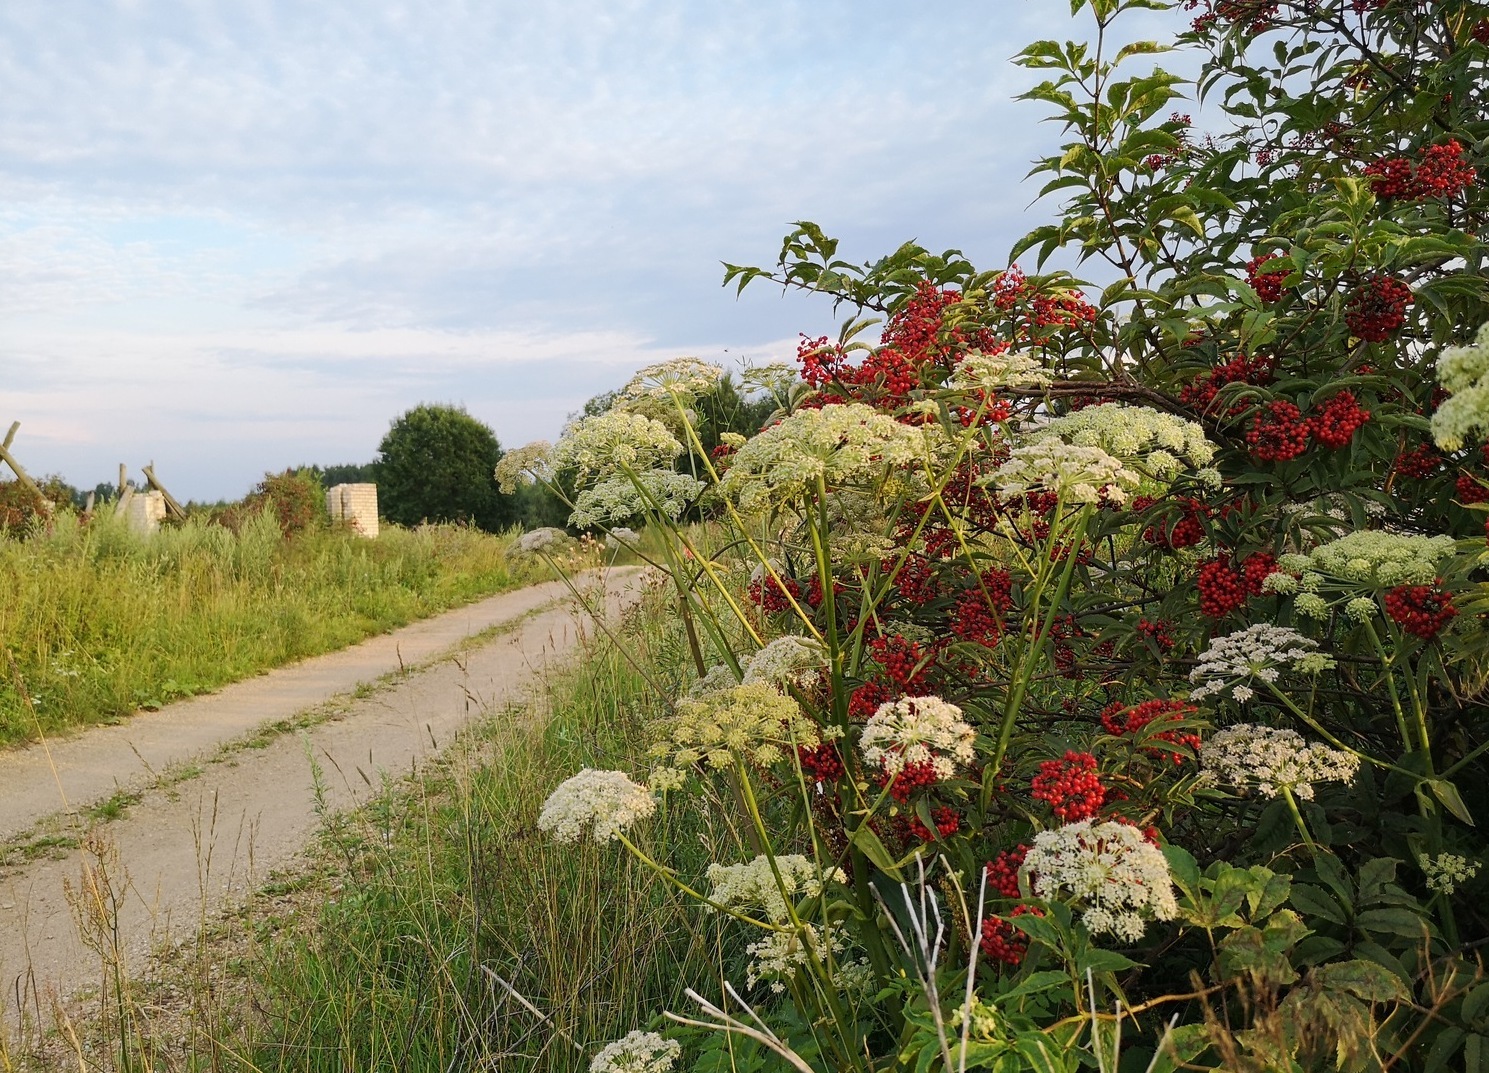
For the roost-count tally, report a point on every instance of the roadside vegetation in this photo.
(96, 621)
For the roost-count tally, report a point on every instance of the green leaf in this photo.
(1099, 960)
(1393, 921)
(867, 843)
(1363, 979)
(1314, 901)
(1451, 799)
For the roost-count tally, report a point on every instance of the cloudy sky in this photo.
(237, 236)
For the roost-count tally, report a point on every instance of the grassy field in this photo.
(96, 622)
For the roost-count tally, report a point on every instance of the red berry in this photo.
(1420, 610)
(1070, 786)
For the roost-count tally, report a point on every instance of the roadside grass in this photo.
(447, 901)
(96, 621)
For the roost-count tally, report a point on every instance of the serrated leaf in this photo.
(1363, 979)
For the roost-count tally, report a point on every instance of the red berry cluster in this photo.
(1335, 425)
(1439, 171)
(1267, 284)
(1222, 588)
(770, 595)
(916, 581)
(911, 777)
(1254, 16)
(1001, 941)
(1420, 610)
(1239, 370)
(1255, 569)
(1418, 463)
(821, 762)
(1157, 161)
(867, 699)
(1278, 432)
(979, 613)
(1480, 32)
(1158, 631)
(1377, 308)
(903, 661)
(1120, 719)
(1033, 311)
(1003, 871)
(1188, 531)
(947, 822)
(1471, 489)
(1070, 786)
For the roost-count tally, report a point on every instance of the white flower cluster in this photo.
(607, 799)
(1163, 443)
(542, 539)
(637, 1052)
(605, 444)
(619, 499)
(1121, 878)
(1269, 760)
(785, 660)
(917, 730)
(1257, 652)
(1445, 871)
(779, 954)
(621, 537)
(837, 444)
(684, 377)
(754, 886)
(1375, 556)
(1463, 372)
(990, 372)
(1076, 474)
(522, 465)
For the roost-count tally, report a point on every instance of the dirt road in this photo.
(205, 802)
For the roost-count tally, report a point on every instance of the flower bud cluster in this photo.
(1269, 761)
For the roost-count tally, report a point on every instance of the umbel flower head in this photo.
(990, 372)
(1374, 556)
(1463, 372)
(1161, 443)
(608, 444)
(836, 444)
(917, 731)
(684, 378)
(748, 723)
(523, 465)
(1076, 474)
(637, 1052)
(754, 885)
(1120, 878)
(1257, 652)
(1269, 760)
(621, 498)
(788, 659)
(608, 800)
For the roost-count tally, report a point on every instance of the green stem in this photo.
(1292, 806)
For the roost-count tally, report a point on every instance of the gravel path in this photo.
(212, 803)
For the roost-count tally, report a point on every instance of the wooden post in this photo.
(20, 472)
(172, 508)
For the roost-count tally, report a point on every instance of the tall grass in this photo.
(96, 621)
(450, 888)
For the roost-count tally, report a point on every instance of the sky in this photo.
(241, 236)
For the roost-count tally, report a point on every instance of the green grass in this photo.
(96, 622)
(438, 881)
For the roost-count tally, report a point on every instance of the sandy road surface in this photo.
(199, 843)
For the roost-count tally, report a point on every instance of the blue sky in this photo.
(240, 236)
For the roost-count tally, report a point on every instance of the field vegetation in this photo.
(97, 621)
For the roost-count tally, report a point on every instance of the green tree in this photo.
(435, 464)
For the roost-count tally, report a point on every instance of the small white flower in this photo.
(1268, 760)
(679, 377)
(991, 372)
(1464, 373)
(637, 1052)
(754, 885)
(1445, 871)
(1077, 474)
(1255, 652)
(917, 730)
(780, 954)
(786, 659)
(1120, 878)
(607, 799)
(608, 444)
(1160, 443)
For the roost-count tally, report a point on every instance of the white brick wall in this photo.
(355, 503)
(146, 511)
